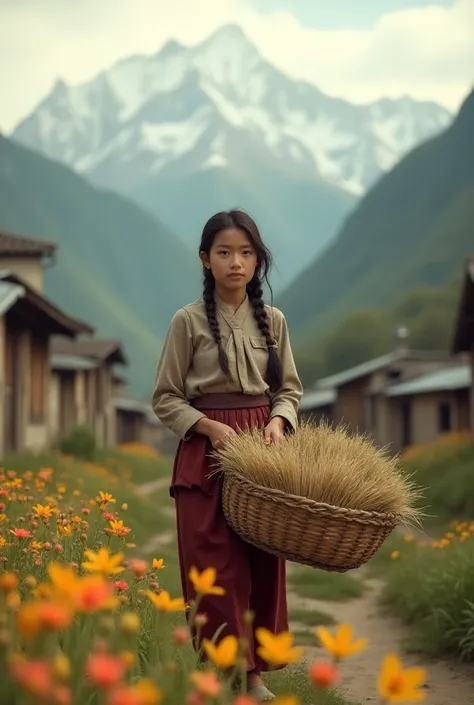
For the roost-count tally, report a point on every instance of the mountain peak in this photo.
(229, 40)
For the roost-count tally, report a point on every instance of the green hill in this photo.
(118, 267)
(413, 229)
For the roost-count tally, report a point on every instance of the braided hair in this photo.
(240, 219)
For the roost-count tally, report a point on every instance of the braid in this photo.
(274, 368)
(211, 312)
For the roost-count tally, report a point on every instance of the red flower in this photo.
(21, 533)
(121, 585)
(105, 670)
(323, 674)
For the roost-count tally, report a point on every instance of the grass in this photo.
(323, 585)
(311, 617)
(432, 588)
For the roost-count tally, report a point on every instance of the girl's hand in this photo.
(218, 433)
(274, 430)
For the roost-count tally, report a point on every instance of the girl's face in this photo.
(232, 259)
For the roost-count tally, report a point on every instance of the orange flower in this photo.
(117, 528)
(207, 683)
(138, 567)
(400, 685)
(21, 533)
(105, 670)
(164, 603)
(8, 582)
(323, 674)
(94, 593)
(34, 676)
(158, 563)
(203, 583)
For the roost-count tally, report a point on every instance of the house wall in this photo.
(425, 416)
(350, 406)
(105, 413)
(30, 269)
(54, 405)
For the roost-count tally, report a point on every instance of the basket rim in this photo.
(275, 495)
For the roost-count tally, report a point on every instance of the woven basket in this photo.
(302, 530)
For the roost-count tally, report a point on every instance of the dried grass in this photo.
(327, 465)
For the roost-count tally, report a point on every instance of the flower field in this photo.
(87, 619)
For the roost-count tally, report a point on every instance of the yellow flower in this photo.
(399, 685)
(203, 582)
(277, 649)
(3, 541)
(130, 622)
(2, 517)
(224, 655)
(36, 545)
(61, 667)
(105, 498)
(44, 511)
(103, 562)
(148, 693)
(158, 563)
(409, 538)
(341, 645)
(286, 700)
(394, 555)
(66, 530)
(164, 603)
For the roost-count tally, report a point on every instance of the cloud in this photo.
(426, 52)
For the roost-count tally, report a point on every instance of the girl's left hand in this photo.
(274, 430)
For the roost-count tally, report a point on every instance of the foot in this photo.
(261, 693)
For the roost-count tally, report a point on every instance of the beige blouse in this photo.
(189, 364)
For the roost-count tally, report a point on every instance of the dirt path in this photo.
(446, 683)
(154, 486)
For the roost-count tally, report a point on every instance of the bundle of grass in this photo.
(322, 497)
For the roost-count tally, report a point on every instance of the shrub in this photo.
(80, 443)
(431, 586)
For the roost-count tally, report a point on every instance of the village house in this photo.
(358, 397)
(82, 392)
(429, 406)
(28, 320)
(463, 339)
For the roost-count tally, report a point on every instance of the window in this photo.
(38, 379)
(444, 417)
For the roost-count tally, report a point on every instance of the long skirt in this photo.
(253, 580)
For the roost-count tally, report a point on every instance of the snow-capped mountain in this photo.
(190, 129)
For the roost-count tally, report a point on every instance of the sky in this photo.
(360, 50)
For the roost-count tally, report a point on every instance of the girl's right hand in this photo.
(220, 433)
(217, 432)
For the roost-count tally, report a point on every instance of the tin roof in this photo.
(72, 363)
(96, 348)
(18, 245)
(376, 364)
(42, 310)
(315, 399)
(448, 379)
(9, 295)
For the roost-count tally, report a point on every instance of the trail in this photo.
(447, 683)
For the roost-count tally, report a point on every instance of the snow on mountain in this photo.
(191, 107)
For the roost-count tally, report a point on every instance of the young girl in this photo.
(226, 365)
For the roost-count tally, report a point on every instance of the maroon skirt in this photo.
(194, 464)
(252, 579)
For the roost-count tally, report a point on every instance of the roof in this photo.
(9, 295)
(374, 365)
(42, 311)
(317, 398)
(448, 379)
(19, 246)
(96, 348)
(463, 339)
(72, 363)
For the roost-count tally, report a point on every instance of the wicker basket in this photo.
(302, 530)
